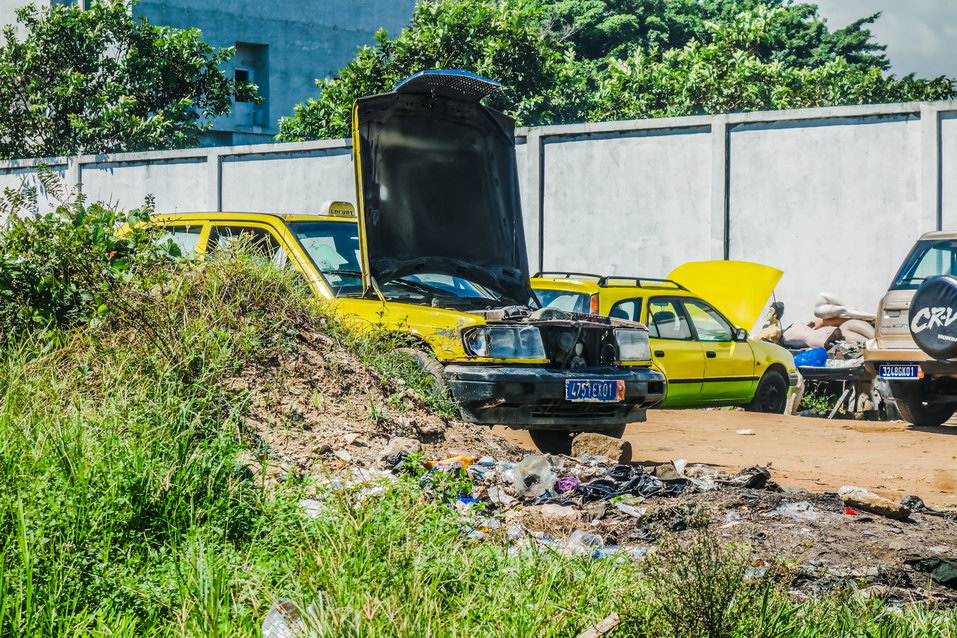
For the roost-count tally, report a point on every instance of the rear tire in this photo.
(772, 394)
(915, 411)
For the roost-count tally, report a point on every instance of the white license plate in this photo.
(900, 372)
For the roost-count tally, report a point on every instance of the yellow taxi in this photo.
(699, 345)
(437, 252)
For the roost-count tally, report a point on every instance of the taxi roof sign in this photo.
(337, 209)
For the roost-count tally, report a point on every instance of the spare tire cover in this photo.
(933, 317)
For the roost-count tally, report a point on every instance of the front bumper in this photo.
(534, 397)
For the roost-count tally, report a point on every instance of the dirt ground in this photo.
(892, 459)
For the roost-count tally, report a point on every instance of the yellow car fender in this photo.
(440, 329)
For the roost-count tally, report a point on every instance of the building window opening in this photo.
(241, 75)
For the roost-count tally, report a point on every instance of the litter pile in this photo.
(592, 506)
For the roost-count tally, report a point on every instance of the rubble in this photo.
(399, 444)
(593, 444)
(859, 498)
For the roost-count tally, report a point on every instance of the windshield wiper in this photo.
(350, 273)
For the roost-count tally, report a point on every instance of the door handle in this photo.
(659, 353)
(711, 354)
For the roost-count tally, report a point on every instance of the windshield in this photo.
(564, 300)
(929, 258)
(334, 249)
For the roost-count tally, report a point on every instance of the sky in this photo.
(921, 35)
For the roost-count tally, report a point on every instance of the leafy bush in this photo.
(64, 268)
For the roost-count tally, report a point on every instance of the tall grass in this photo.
(123, 511)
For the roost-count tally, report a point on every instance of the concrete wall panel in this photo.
(177, 185)
(948, 170)
(16, 177)
(287, 182)
(635, 204)
(833, 203)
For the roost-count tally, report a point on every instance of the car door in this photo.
(728, 364)
(674, 350)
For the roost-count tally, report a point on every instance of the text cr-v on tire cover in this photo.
(933, 317)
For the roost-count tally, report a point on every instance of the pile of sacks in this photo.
(834, 322)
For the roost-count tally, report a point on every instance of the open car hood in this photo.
(738, 289)
(437, 185)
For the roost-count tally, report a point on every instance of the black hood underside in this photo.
(438, 190)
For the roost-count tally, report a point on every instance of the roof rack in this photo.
(604, 279)
(566, 275)
(603, 282)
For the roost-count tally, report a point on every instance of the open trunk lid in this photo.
(738, 289)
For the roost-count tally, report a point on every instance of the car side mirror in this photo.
(740, 334)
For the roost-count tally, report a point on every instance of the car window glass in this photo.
(334, 249)
(447, 283)
(564, 300)
(666, 320)
(709, 325)
(185, 237)
(628, 309)
(260, 240)
(928, 259)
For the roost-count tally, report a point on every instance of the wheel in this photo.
(552, 441)
(437, 384)
(771, 395)
(915, 411)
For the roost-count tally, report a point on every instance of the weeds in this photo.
(819, 402)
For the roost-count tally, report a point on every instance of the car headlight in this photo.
(633, 344)
(506, 342)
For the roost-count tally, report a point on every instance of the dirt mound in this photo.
(318, 407)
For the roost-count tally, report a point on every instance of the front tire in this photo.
(559, 442)
(436, 383)
(552, 441)
(772, 394)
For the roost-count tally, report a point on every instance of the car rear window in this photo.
(928, 258)
(564, 300)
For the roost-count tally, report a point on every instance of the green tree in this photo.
(800, 36)
(101, 81)
(500, 39)
(726, 73)
(639, 58)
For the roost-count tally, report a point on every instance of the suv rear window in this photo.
(929, 258)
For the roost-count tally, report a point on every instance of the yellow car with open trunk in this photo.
(695, 318)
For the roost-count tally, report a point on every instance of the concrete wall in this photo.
(834, 197)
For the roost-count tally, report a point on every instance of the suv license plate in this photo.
(900, 372)
(594, 391)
